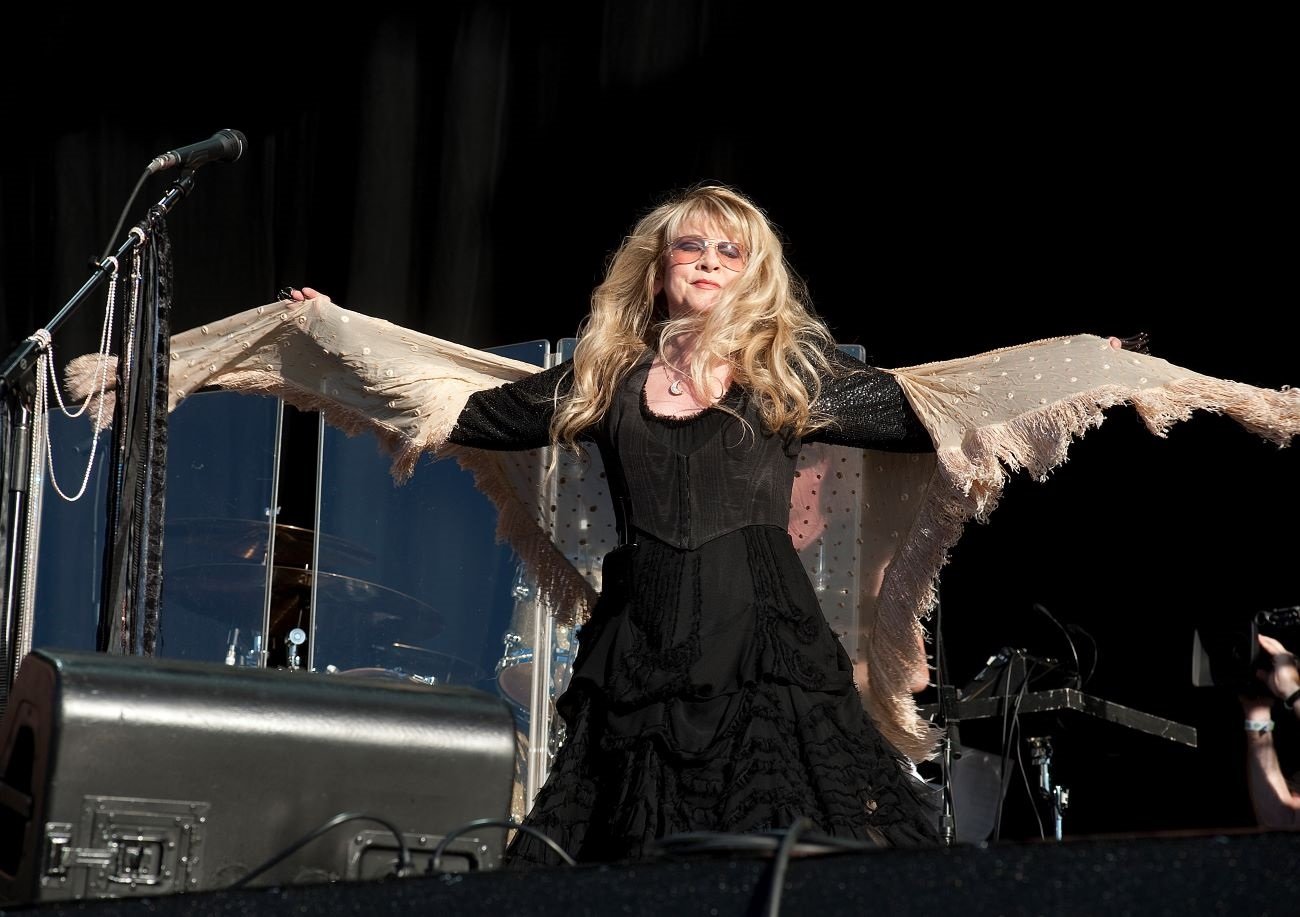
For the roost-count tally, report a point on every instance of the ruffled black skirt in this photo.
(710, 695)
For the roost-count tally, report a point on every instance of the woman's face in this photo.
(696, 285)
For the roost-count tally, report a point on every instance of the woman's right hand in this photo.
(299, 295)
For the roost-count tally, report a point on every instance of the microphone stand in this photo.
(19, 501)
(947, 721)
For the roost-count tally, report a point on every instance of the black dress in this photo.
(708, 693)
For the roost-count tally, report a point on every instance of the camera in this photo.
(1227, 654)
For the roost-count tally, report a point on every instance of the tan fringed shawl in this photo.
(874, 528)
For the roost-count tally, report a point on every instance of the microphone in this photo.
(223, 146)
(996, 661)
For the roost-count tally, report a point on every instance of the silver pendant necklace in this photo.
(674, 385)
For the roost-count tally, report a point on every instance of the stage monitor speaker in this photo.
(130, 776)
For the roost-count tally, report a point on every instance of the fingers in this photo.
(1280, 655)
(298, 295)
(1138, 343)
(1271, 644)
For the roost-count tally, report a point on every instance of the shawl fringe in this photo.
(968, 485)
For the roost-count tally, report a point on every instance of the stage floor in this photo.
(1230, 873)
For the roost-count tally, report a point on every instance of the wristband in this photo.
(1259, 725)
(1292, 698)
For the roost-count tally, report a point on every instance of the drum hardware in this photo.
(515, 682)
(252, 658)
(821, 576)
(514, 670)
(522, 589)
(297, 637)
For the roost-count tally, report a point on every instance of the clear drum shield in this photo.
(412, 583)
(220, 481)
(70, 555)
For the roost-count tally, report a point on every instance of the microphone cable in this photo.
(404, 852)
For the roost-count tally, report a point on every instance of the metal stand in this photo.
(1058, 797)
(1055, 700)
(17, 388)
(947, 817)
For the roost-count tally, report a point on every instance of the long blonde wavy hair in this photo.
(762, 326)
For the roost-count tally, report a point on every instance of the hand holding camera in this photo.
(1279, 670)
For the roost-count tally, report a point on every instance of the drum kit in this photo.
(216, 572)
(361, 629)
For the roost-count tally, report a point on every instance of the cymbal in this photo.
(444, 667)
(246, 539)
(372, 611)
(429, 665)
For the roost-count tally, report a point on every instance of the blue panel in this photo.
(220, 475)
(221, 448)
(71, 547)
(415, 582)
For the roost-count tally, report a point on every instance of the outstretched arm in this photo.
(512, 416)
(1275, 803)
(868, 409)
(363, 374)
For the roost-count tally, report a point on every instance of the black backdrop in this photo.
(947, 185)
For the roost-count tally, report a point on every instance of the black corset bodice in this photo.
(686, 481)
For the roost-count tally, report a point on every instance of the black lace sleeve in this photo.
(868, 410)
(516, 415)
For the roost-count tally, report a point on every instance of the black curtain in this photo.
(946, 184)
